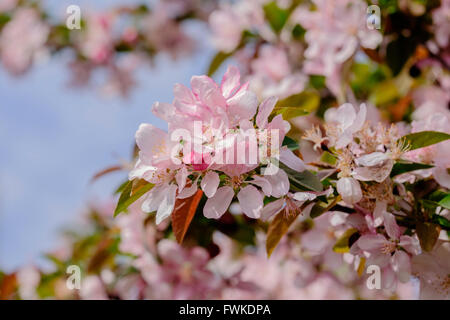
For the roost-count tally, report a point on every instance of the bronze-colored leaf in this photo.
(278, 228)
(183, 214)
(105, 171)
(428, 234)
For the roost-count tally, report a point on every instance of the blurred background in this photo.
(56, 138)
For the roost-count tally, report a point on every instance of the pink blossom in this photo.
(432, 270)
(22, 40)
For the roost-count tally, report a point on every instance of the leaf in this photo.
(398, 52)
(132, 193)
(290, 143)
(441, 221)
(343, 243)
(328, 158)
(276, 16)
(321, 207)
(8, 285)
(278, 228)
(422, 139)
(217, 61)
(304, 179)
(445, 202)
(428, 234)
(297, 105)
(402, 167)
(106, 171)
(183, 214)
(384, 92)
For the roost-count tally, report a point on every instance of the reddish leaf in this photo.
(106, 171)
(183, 214)
(278, 228)
(8, 286)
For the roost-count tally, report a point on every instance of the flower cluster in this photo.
(222, 129)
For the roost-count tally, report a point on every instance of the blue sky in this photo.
(55, 138)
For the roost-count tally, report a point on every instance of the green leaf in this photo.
(130, 194)
(402, 167)
(217, 61)
(441, 221)
(384, 93)
(303, 180)
(424, 138)
(276, 16)
(328, 158)
(343, 243)
(321, 207)
(290, 143)
(297, 105)
(445, 202)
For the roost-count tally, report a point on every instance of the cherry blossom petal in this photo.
(181, 177)
(380, 208)
(251, 201)
(401, 265)
(291, 160)
(371, 242)
(230, 81)
(279, 182)
(216, 206)
(410, 244)
(442, 176)
(265, 109)
(189, 191)
(210, 183)
(391, 226)
(349, 189)
(148, 137)
(154, 198)
(263, 183)
(271, 209)
(165, 209)
(242, 106)
(163, 111)
(371, 159)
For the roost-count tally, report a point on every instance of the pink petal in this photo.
(263, 183)
(271, 209)
(401, 265)
(265, 109)
(242, 106)
(371, 159)
(210, 183)
(372, 242)
(391, 226)
(148, 136)
(280, 183)
(216, 206)
(189, 192)
(441, 176)
(181, 177)
(207, 91)
(230, 81)
(251, 201)
(163, 111)
(183, 94)
(380, 208)
(410, 244)
(291, 160)
(349, 189)
(167, 205)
